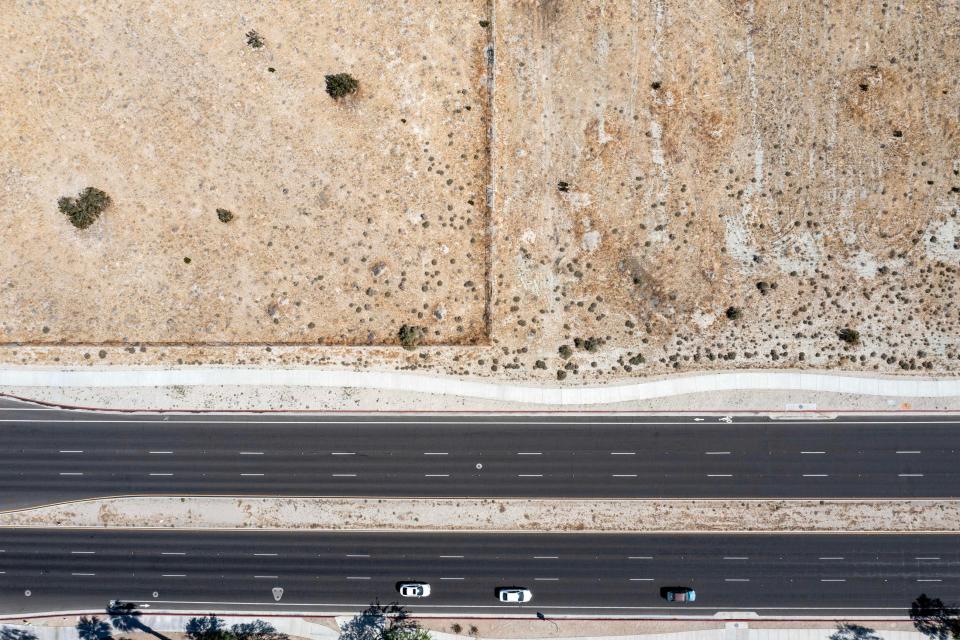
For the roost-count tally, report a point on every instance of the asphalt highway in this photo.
(51, 455)
(806, 575)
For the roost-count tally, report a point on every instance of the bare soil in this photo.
(653, 165)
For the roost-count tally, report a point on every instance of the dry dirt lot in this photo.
(656, 166)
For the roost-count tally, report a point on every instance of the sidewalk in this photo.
(41, 383)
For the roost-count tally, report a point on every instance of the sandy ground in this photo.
(429, 514)
(653, 163)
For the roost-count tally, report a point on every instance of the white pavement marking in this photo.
(813, 453)
(173, 575)
(251, 453)
(716, 453)
(927, 558)
(172, 553)
(436, 453)
(904, 452)
(832, 558)
(929, 580)
(70, 473)
(736, 579)
(529, 453)
(816, 475)
(639, 557)
(342, 453)
(160, 453)
(529, 475)
(623, 453)
(268, 555)
(83, 553)
(719, 475)
(436, 475)
(451, 578)
(735, 558)
(83, 574)
(547, 579)
(344, 475)
(910, 475)
(70, 451)
(546, 557)
(161, 474)
(358, 555)
(268, 577)
(358, 577)
(251, 475)
(641, 579)
(833, 580)
(451, 556)
(623, 475)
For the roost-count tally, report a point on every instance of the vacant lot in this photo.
(677, 185)
(351, 217)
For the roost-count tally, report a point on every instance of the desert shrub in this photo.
(410, 336)
(224, 215)
(254, 39)
(848, 335)
(734, 313)
(84, 210)
(340, 85)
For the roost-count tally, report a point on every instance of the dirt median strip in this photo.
(463, 514)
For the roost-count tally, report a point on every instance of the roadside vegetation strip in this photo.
(513, 515)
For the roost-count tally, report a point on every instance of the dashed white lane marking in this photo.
(831, 558)
(905, 452)
(547, 579)
(451, 578)
(641, 579)
(343, 453)
(910, 475)
(172, 553)
(70, 451)
(529, 453)
(735, 558)
(267, 577)
(546, 557)
(161, 474)
(816, 475)
(83, 574)
(929, 580)
(358, 577)
(436, 453)
(833, 579)
(160, 453)
(719, 475)
(358, 555)
(736, 579)
(529, 475)
(813, 453)
(436, 475)
(639, 557)
(716, 453)
(268, 555)
(623, 453)
(83, 553)
(251, 453)
(927, 558)
(344, 475)
(71, 473)
(173, 575)
(451, 556)
(251, 475)
(623, 475)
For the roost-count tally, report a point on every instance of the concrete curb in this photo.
(504, 392)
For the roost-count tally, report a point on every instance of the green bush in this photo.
(224, 215)
(410, 336)
(84, 210)
(340, 85)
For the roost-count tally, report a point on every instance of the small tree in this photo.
(340, 85)
(256, 630)
(850, 631)
(383, 622)
(934, 619)
(206, 628)
(93, 628)
(84, 210)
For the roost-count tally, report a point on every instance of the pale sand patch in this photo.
(425, 514)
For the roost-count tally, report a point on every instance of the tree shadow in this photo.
(10, 633)
(851, 631)
(124, 616)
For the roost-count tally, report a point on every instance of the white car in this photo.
(514, 594)
(414, 589)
